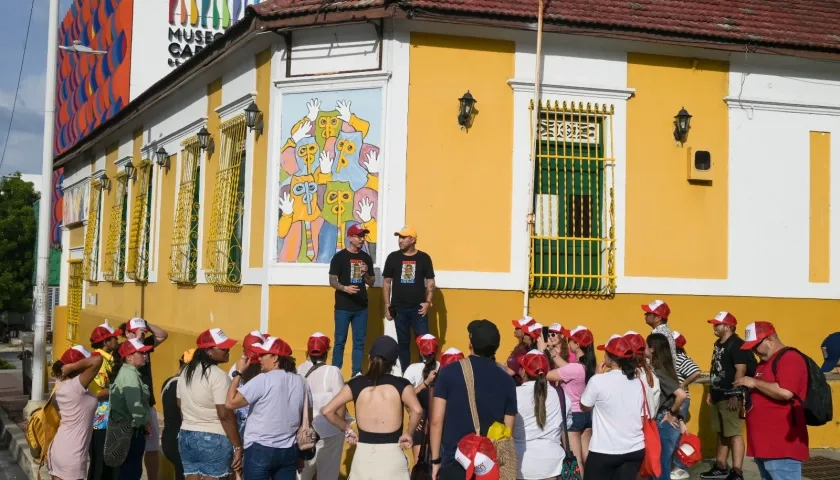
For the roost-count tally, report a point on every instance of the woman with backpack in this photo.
(68, 452)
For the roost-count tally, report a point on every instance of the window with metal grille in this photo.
(138, 245)
(573, 236)
(113, 263)
(224, 247)
(91, 261)
(183, 266)
(74, 299)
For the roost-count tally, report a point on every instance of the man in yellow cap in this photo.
(408, 285)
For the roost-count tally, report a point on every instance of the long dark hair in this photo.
(628, 365)
(540, 394)
(378, 367)
(200, 358)
(56, 369)
(251, 371)
(587, 359)
(429, 365)
(661, 360)
(115, 367)
(287, 364)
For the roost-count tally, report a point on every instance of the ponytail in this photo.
(430, 364)
(540, 394)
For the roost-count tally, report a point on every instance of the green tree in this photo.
(18, 234)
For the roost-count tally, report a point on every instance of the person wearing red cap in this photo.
(615, 399)
(687, 373)
(422, 376)
(351, 272)
(729, 363)
(451, 355)
(408, 287)
(130, 415)
(278, 399)
(657, 313)
(250, 371)
(521, 330)
(669, 417)
(777, 432)
(104, 340)
(325, 382)
(68, 452)
(209, 442)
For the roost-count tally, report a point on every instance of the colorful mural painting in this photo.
(329, 175)
(56, 207)
(92, 88)
(194, 24)
(76, 203)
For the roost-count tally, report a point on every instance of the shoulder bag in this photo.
(652, 464)
(571, 469)
(306, 436)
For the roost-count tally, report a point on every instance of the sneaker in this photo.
(733, 475)
(680, 474)
(357, 375)
(716, 473)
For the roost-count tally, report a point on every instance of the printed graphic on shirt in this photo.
(716, 373)
(409, 271)
(356, 273)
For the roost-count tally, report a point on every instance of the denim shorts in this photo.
(205, 454)
(581, 421)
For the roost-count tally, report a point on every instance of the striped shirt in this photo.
(685, 368)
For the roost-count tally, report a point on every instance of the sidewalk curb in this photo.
(13, 439)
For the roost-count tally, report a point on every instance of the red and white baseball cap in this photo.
(523, 322)
(658, 308)
(318, 344)
(534, 330)
(104, 332)
(248, 343)
(214, 337)
(274, 346)
(582, 336)
(478, 457)
(755, 333)
(136, 324)
(534, 363)
(689, 450)
(679, 339)
(450, 356)
(557, 328)
(356, 230)
(75, 354)
(427, 344)
(618, 346)
(133, 345)
(637, 341)
(724, 318)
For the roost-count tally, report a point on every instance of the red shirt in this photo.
(777, 429)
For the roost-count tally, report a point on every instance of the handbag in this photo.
(571, 468)
(117, 442)
(505, 449)
(421, 470)
(652, 464)
(306, 436)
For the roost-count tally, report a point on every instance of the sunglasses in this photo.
(552, 334)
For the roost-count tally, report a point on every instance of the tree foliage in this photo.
(18, 234)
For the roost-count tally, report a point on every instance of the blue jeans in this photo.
(343, 320)
(669, 437)
(407, 319)
(263, 462)
(779, 469)
(684, 411)
(132, 467)
(205, 454)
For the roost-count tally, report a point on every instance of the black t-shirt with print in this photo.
(146, 370)
(408, 274)
(347, 267)
(722, 373)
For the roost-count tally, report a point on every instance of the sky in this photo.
(25, 141)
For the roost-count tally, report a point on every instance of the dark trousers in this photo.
(409, 319)
(132, 467)
(97, 470)
(344, 319)
(614, 467)
(262, 462)
(169, 447)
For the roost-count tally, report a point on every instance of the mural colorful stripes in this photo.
(56, 208)
(92, 88)
(207, 14)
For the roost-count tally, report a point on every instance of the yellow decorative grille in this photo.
(138, 244)
(113, 264)
(573, 234)
(91, 262)
(74, 299)
(224, 247)
(184, 261)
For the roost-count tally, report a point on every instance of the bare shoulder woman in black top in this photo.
(380, 399)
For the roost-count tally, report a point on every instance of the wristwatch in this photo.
(235, 374)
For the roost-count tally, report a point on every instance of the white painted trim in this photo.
(269, 240)
(75, 184)
(232, 108)
(122, 162)
(725, 288)
(570, 90)
(98, 175)
(328, 81)
(785, 107)
(176, 136)
(202, 209)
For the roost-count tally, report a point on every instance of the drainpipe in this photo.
(529, 220)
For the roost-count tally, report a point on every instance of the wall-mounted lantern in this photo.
(131, 171)
(105, 182)
(465, 110)
(162, 158)
(253, 118)
(205, 140)
(682, 122)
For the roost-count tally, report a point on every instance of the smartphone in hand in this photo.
(545, 334)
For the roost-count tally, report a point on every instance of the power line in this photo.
(17, 89)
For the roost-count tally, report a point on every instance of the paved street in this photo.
(9, 469)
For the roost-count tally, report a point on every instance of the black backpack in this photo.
(817, 404)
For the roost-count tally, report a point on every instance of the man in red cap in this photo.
(104, 340)
(656, 316)
(351, 270)
(777, 435)
(729, 363)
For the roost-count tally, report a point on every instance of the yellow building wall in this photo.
(260, 167)
(675, 229)
(76, 235)
(450, 169)
(210, 164)
(819, 258)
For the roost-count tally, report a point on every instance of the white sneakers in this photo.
(679, 474)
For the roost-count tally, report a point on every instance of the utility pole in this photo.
(39, 354)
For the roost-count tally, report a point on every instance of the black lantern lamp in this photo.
(467, 102)
(162, 158)
(253, 118)
(203, 138)
(682, 122)
(105, 182)
(131, 171)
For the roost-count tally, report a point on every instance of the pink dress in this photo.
(68, 456)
